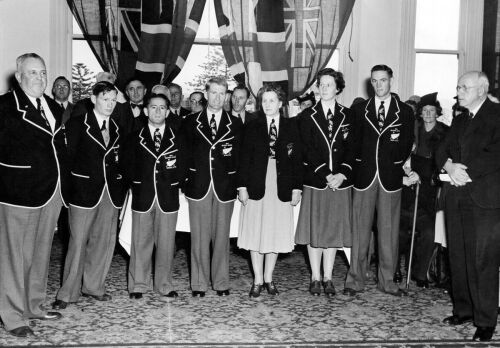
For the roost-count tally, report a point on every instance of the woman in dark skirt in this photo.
(269, 186)
(325, 213)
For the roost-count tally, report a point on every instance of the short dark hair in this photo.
(243, 87)
(382, 67)
(270, 87)
(175, 85)
(203, 100)
(62, 78)
(157, 95)
(337, 75)
(134, 78)
(103, 87)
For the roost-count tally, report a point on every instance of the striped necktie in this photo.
(42, 112)
(157, 138)
(213, 127)
(105, 133)
(381, 115)
(273, 135)
(329, 117)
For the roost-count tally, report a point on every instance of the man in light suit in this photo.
(61, 90)
(153, 166)
(212, 139)
(32, 171)
(470, 155)
(239, 100)
(383, 134)
(95, 195)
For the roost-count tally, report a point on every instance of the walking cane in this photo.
(408, 275)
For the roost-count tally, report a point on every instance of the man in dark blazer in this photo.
(383, 134)
(131, 117)
(153, 166)
(470, 155)
(95, 195)
(61, 90)
(32, 171)
(212, 139)
(177, 112)
(239, 100)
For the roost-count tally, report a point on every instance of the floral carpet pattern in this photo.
(292, 319)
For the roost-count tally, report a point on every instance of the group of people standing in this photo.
(344, 165)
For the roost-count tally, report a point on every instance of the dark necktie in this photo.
(42, 112)
(62, 105)
(157, 138)
(329, 117)
(381, 115)
(176, 113)
(135, 105)
(273, 135)
(105, 133)
(213, 127)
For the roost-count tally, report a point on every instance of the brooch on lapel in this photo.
(227, 149)
(171, 161)
(345, 131)
(395, 133)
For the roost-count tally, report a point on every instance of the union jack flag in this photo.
(301, 26)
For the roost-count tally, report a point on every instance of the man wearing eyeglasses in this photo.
(470, 155)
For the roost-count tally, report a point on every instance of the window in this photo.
(437, 49)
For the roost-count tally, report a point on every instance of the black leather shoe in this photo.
(271, 288)
(104, 297)
(398, 293)
(350, 292)
(172, 294)
(22, 331)
(255, 290)
(398, 277)
(424, 284)
(456, 320)
(59, 304)
(222, 292)
(198, 293)
(329, 288)
(315, 288)
(483, 333)
(135, 295)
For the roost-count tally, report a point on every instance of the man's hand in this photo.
(335, 180)
(411, 179)
(457, 172)
(243, 195)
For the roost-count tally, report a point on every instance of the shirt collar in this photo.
(152, 129)
(476, 109)
(331, 106)
(101, 119)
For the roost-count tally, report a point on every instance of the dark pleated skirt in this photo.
(325, 218)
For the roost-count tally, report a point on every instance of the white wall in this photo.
(40, 26)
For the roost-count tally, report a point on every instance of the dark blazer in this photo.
(476, 144)
(153, 175)
(249, 116)
(322, 157)
(126, 120)
(93, 165)
(254, 157)
(382, 152)
(175, 121)
(32, 159)
(211, 162)
(67, 112)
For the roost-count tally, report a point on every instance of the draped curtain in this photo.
(149, 39)
(282, 41)
(491, 42)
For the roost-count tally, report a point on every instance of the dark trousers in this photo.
(474, 250)
(149, 230)
(25, 243)
(388, 206)
(210, 222)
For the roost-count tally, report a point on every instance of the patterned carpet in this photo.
(292, 319)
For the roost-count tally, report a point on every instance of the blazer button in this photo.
(158, 161)
(212, 158)
(334, 150)
(156, 172)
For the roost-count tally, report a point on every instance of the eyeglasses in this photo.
(465, 88)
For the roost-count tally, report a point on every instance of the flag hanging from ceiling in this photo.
(283, 41)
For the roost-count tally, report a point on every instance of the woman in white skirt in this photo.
(325, 213)
(270, 184)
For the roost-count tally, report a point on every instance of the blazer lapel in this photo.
(114, 133)
(203, 127)
(29, 113)
(371, 115)
(392, 114)
(167, 141)
(93, 129)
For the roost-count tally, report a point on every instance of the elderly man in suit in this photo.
(95, 195)
(470, 155)
(212, 139)
(239, 100)
(383, 132)
(131, 116)
(61, 89)
(152, 162)
(176, 112)
(32, 167)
